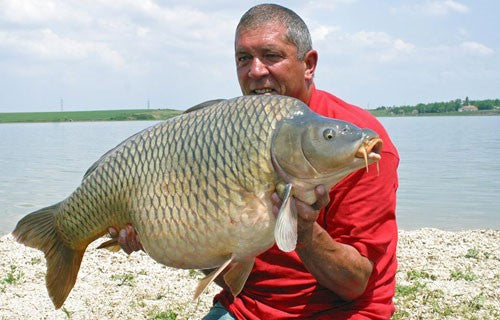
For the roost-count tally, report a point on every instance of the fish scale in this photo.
(197, 189)
(213, 172)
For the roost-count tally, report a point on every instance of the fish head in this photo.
(309, 149)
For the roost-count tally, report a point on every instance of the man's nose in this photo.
(258, 69)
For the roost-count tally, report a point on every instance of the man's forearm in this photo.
(336, 266)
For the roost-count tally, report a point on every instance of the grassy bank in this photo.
(161, 114)
(389, 113)
(98, 115)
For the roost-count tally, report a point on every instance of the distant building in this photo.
(468, 108)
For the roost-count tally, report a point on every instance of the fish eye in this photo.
(329, 134)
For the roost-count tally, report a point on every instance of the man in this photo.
(344, 265)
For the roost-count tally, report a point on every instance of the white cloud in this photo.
(476, 48)
(45, 44)
(328, 5)
(403, 46)
(108, 52)
(431, 8)
(135, 34)
(28, 12)
(374, 46)
(443, 7)
(321, 32)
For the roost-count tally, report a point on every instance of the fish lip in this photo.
(370, 149)
(370, 145)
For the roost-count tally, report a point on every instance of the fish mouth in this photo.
(370, 151)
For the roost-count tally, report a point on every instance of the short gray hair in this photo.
(297, 31)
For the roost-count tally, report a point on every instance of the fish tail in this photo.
(37, 230)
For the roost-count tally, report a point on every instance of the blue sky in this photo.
(112, 54)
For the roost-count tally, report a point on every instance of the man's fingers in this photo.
(305, 211)
(122, 240)
(322, 196)
(132, 238)
(277, 202)
(113, 232)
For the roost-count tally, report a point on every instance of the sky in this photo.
(128, 54)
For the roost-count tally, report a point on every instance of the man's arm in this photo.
(336, 266)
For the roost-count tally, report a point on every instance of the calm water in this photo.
(449, 171)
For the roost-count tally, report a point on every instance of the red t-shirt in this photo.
(361, 213)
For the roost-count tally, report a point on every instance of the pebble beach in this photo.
(441, 275)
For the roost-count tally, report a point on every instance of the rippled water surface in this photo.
(449, 170)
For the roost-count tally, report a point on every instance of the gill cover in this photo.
(330, 144)
(310, 146)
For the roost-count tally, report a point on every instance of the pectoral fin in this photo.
(203, 283)
(285, 231)
(237, 275)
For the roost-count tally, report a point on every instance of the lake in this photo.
(449, 171)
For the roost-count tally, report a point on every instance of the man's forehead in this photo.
(266, 38)
(271, 28)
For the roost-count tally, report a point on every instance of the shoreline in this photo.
(441, 274)
(163, 114)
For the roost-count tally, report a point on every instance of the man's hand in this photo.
(336, 266)
(307, 214)
(127, 238)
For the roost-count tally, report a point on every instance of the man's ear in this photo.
(311, 60)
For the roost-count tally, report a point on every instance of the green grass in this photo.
(13, 276)
(416, 296)
(461, 275)
(162, 315)
(197, 274)
(67, 313)
(416, 274)
(98, 115)
(472, 253)
(161, 114)
(125, 279)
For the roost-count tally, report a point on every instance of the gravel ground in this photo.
(442, 275)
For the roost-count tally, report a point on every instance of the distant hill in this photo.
(454, 107)
(98, 115)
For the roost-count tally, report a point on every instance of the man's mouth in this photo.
(263, 91)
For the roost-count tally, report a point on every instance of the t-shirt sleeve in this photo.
(362, 209)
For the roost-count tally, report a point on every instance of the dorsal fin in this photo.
(203, 105)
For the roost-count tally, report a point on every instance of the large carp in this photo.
(197, 188)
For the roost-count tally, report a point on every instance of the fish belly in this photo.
(200, 240)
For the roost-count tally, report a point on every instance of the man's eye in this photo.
(244, 58)
(272, 56)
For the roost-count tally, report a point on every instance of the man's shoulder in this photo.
(329, 105)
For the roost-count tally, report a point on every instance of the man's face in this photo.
(267, 63)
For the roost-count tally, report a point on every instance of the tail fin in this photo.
(37, 230)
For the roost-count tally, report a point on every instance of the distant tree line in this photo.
(442, 107)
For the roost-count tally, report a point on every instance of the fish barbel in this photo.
(197, 188)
